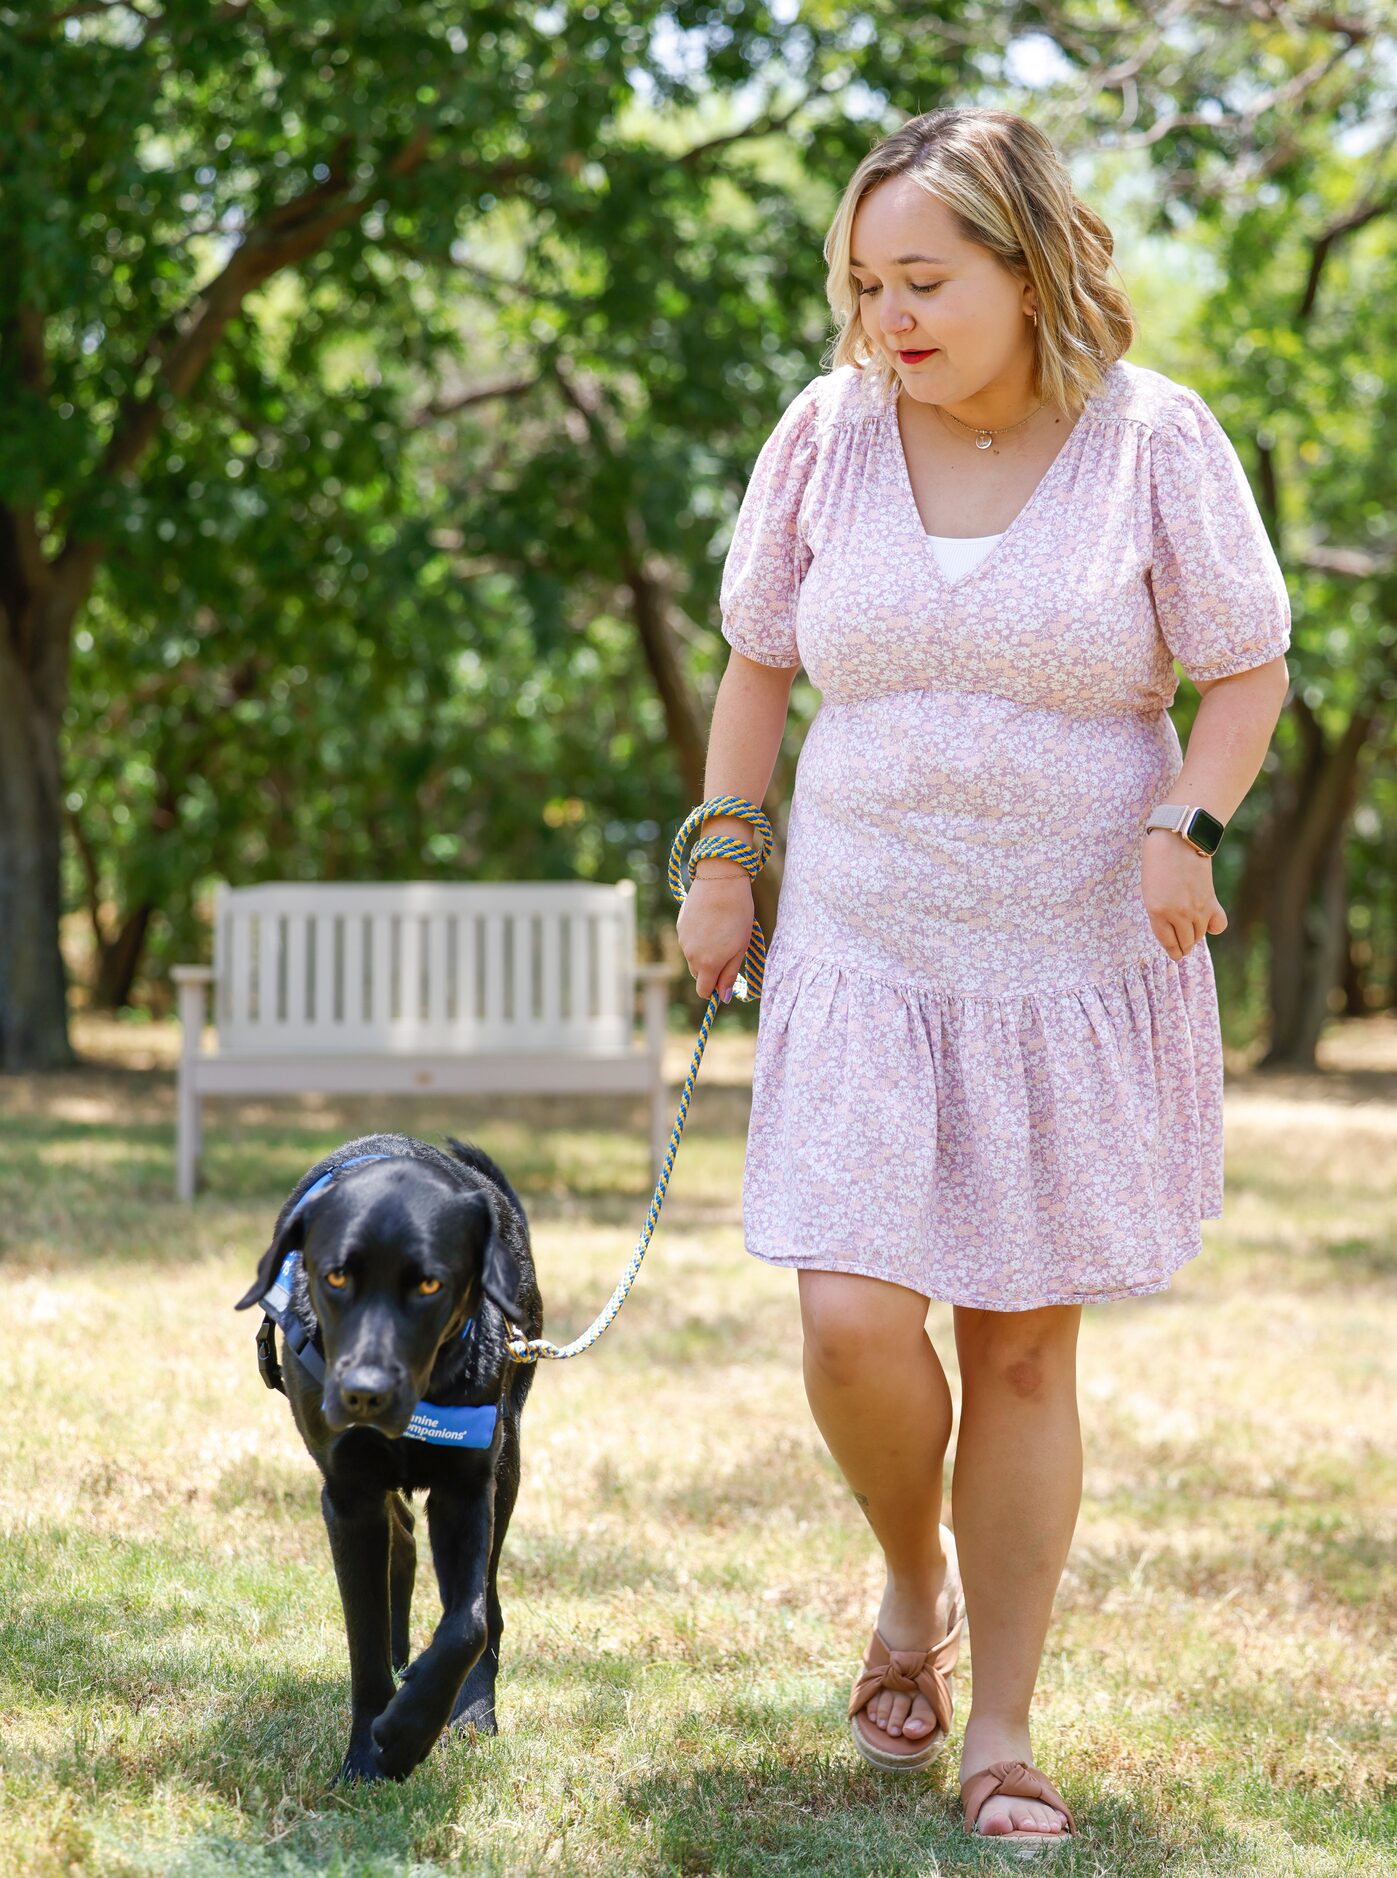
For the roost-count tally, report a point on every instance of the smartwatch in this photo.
(1200, 830)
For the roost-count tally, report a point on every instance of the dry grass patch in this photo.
(687, 1583)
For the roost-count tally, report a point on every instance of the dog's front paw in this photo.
(402, 1738)
(362, 1762)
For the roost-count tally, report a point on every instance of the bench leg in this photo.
(188, 1137)
(189, 1120)
(661, 1114)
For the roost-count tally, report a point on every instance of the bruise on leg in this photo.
(1025, 1375)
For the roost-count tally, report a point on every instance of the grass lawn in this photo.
(687, 1585)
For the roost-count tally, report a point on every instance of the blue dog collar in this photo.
(468, 1427)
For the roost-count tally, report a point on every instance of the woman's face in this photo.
(959, 303)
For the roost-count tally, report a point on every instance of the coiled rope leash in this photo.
(748, 986)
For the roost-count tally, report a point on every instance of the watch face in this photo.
(1205, 829)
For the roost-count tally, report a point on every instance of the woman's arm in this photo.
(1229, 740)
(1230, 737)
(749, 719)
(714, 927)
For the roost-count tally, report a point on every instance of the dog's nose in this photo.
(368, 1390)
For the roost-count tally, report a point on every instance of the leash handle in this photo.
(747, 986)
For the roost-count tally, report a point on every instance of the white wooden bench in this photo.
(509, 987)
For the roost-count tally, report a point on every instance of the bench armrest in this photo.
(192, 997)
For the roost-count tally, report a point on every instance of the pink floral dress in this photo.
(978, 1072)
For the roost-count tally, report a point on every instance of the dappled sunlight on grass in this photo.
(687, 1583)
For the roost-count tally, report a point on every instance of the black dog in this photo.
(398, 1254)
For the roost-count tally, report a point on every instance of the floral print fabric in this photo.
(978, 1072)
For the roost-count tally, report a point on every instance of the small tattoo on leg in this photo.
(862, 1499)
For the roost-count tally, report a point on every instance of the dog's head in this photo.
(398, 1256)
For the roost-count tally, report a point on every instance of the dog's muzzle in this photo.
(368, 1395)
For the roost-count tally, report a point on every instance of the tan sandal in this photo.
(910, 1672)
(1016, 1780)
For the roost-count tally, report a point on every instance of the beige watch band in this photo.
(1174, 816)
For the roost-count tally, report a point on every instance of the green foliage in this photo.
(505, 301)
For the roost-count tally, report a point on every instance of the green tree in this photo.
(162, 166)
(260, 343)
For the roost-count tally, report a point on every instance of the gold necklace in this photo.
(984, 436)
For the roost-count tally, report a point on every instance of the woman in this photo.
(989, 1065)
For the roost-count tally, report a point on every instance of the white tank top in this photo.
(959, 553)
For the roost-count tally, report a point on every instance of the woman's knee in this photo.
(855, 1326)
(1024, 1353)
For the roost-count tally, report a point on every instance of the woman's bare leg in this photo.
(1018, 1487)
(880, 1399)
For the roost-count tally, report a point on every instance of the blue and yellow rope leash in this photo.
(747, 986)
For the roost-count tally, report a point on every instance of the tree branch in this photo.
(765, 124)
(1346, 563)
(88, 858)
(477, 394)
(186, 340)
(1357, 218)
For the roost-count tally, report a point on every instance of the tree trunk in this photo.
(1328, 953)
(1307, 909)
(685, 728)
(33, 1001)
(1355, 978)
(119, 959)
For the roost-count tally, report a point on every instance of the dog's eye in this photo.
(337, 1279)
(429, 1287)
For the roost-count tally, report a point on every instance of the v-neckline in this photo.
(905, 478)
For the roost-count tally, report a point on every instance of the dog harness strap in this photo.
(471, 1426)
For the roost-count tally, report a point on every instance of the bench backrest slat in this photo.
(422, 967)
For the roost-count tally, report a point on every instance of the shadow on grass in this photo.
(1345, 1569)
(121, 1171)
(754, 1790)
(784, 1814)
(816, 1817)
(1363, 1259)
(544, 1565)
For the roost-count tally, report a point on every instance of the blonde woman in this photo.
(989, 1066)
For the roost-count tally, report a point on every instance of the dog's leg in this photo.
(402, 1572)
(475, 1706)
(360, 1539)
(460, 1521)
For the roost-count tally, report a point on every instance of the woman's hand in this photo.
(714, 929)
(1176, 884)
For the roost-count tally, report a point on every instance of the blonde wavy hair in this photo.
(1009, 190)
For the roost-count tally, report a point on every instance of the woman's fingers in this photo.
(1177, 933)
(1180, 931)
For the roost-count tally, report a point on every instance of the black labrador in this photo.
(400, 1254)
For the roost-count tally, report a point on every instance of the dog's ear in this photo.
(500, 1276)
(291, 1238)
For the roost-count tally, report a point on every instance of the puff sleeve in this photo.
(1219, 594)
(767, 558)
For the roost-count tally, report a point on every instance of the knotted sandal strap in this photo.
(1016, 1780)
(910, 1672)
